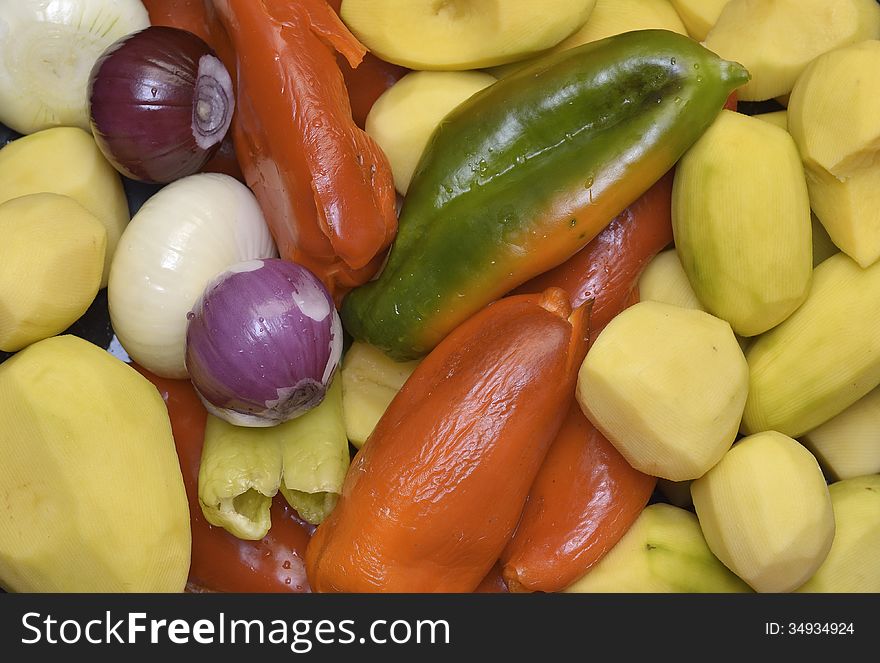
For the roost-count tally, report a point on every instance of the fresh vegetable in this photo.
(66, 161)
(836, 329)
(324, 185)
(851, 565)
(846, 445)
(92, 493)
(47, 51)
(239, 475)
(666, 386)
(823, 247)
(525, 173)
(778, 118)
(775, 40)
(766, 512)
(243, 468)
(605, 271)
(160, 103)
(664, 281)
(699, 16)
(834, 124)
(185, 235)
(220, 561)
(431, 500)
(614, 17)
(584, 498)
(404, 117)
(466, 34)
(370, 381)
(263, 343)
(315, 457)
(741, 219)
(664, 551)
(52, 257)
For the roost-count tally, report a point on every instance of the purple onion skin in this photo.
(144, 93)
(254, 350)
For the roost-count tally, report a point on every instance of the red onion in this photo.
(160, 103)
(263, 343)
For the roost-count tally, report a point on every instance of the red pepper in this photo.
(220, 561)
(434, 495)
(325, 187)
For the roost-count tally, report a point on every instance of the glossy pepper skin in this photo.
(435, 493)
(525, 173)
(606, 270)
(586, 495)
(584, 499)
(324, 186)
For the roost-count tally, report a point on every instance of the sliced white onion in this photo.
(185, 235)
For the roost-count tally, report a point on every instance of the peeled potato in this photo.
(663, 551)
(834, 117)
(664, 280)
(92, 493)
(666, 386)
(822, 358)
(834, 110)
(766, 512)
(777, 118)
(776, 39)
(852, 564)
(848, 445)
(461, 34)
(51, 260)
(404, 117)
(67, 161)
(613, 17)
(370, 380)
(699, 16)
(741, 222)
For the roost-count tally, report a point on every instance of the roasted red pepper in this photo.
(221, 562)
(324, 185)
(434, 495)
(584, 499)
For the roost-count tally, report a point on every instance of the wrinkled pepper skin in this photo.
(525, 173)
(434, 495)
(584, 499)
(325, 187)
(606, 270)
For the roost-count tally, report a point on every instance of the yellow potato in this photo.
(51, 260)
(90, 482)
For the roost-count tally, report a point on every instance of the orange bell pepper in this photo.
(584, 499)
(434, 495)
(325, 187)
(607, 268)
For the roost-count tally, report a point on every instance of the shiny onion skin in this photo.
(584, 499)
(324, 185)
(263, 342)
(434, 495)
(607, 268)
(160, 103)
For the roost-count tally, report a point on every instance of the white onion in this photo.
(185, 235)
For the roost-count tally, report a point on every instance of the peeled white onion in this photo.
(185, 235)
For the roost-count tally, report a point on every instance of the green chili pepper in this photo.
(526, 172)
